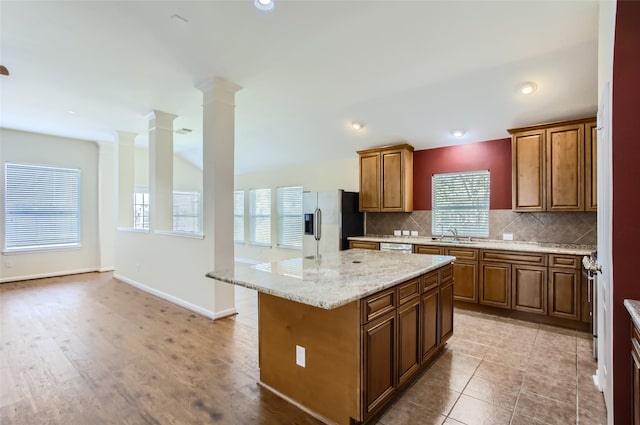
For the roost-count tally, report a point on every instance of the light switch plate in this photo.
(301, 356)
(414, 233)
(507, 236)
(405, 233)
(397, 232)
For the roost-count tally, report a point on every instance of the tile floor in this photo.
(495, 371)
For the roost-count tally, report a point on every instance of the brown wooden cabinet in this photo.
(446, 310)
(430, 323)
(364, 245)
(386, 179)
(379, 354)
(564, 290)
(548, 166)
(465, 273)
(409, 350)
(428, 249)
(591, 166)
(529, 289)
(495, 284)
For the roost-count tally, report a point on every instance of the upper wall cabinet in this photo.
(554, 166)
(386, 179)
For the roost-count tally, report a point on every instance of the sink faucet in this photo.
(454, 232)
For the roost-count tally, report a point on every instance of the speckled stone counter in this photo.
(548, 248)
(333, 280)
(633, 307)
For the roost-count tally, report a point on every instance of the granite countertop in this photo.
(633, 307)
(549, 248)
(335, 279)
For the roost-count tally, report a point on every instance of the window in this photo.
(42, 207)
(461, 201)
(141, 210)
(238, 215)
(260, 220)
(290, 217)
(186, 212)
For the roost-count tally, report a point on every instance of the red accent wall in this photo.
(493, 155)
(626, 196)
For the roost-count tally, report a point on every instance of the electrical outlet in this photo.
(301, 356)
(507, 236)
(414, 233)
(397, 232)
(405, 233)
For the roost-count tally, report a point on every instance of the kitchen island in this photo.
(341, 335)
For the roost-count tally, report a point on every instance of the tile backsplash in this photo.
(573, 228)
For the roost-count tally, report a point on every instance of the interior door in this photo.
(605, 226)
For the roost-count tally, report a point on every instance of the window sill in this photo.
(132, 230)
(190, 235)
(40, 249)
(289, 248)
(263, 245)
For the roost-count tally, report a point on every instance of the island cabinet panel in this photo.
(329, 384)
(564, 293)
(495, 284)
(379, 304)
(409, 354)
(379, 353)
(529, 290)
(446, 311)
(430, 323)
(364, 245)
(565, 168)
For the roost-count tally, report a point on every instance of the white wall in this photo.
(329, 175)
(38, 149)
(186, 176)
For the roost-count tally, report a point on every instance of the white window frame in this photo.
(290, 220)
(259, 214)
(238, 216)
(42, 208)
(141, 211)
(195, 214)
(461, 201)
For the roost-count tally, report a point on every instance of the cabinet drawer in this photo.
(446, 274)
(429, 282)
(531, 258)
(378, 304)
(564, 261)
(463, 253)
(409, 290)
(364, 245)
(428, 249)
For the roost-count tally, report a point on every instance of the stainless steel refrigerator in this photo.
(329, 219)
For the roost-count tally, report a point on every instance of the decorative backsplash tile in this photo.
(573, 228)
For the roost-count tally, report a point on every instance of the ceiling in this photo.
(411, 71)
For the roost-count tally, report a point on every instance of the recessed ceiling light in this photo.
(70, 112)
(264, 4)
(184, 131)
(528, 88)
(458, 134)
(357, 125)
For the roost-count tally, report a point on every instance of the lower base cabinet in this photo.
(529, 289)
(430, 323)
(446, 310)
(564, 293)
(379, 350)
(495, 284)
(409, 355)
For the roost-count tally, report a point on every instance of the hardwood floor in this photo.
(88, 349)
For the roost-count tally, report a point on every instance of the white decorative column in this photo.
(160, 170)
(107, 205)
(126, 177)
(218, 148)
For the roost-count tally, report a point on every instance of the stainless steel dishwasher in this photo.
(405, 248)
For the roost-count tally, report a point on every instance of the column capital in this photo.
(160, 120)
(218, 89)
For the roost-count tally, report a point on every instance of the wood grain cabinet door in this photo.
(527, 149)
(495, 284)
(446, 311)
(392, 181)
(409, 354)
(430, 323)
(379, 351)
(564, 293)
(369, 182)
(565, 168)
(591, 167)
(529, 289)
(465, 281)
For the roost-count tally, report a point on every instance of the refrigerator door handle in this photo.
(317, 223)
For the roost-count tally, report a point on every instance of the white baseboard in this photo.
(106, 269)
(45, 275)
(175, 300)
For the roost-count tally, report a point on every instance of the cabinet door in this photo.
(428, 249)
(565, 168)
(495, 284)
(370, 182)
(409, 353)
(392, 181)
(564, 290)
(446, 311)
(529, 289)
(430, 323)
(527, 149)
(379, 376)
(465, 281)
(591, 166)
(364, 245)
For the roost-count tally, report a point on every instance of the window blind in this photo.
(290, 217)
(186, 212)
(141, 210)
(42, 207)
(238, 215)
(461, 201)
(260, 219)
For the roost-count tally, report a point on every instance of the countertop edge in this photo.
(314, 302)
(633, 307)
